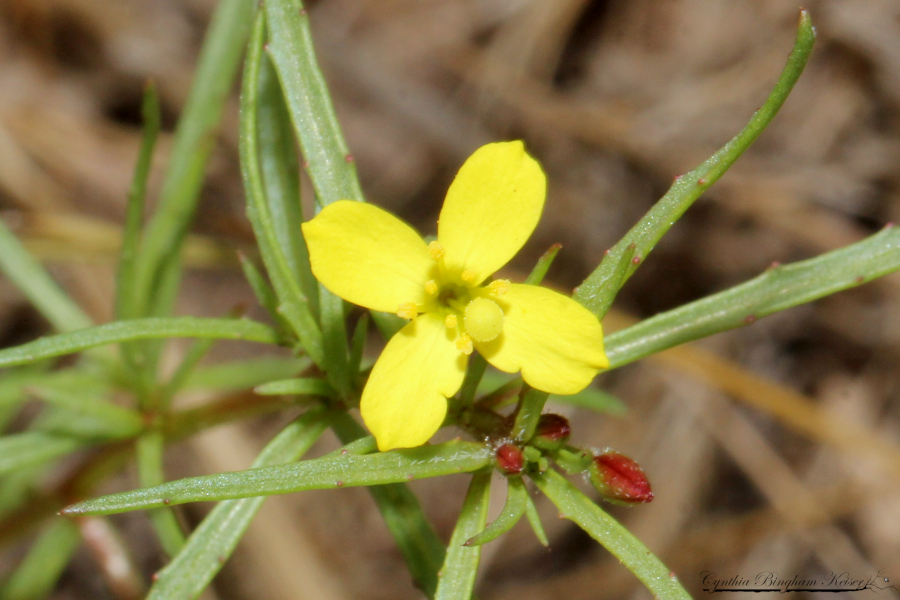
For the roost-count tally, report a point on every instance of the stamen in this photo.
(469, 276)
(464, 344)
(435, 250)
(499, 287)
(431, 287)
(451, 321)
(408, 311)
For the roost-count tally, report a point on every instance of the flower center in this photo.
(467, 309)
(483, 319)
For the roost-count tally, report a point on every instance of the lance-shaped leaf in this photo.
(115, 420)
(307, 386)
(281, 175)
(137, 329)
(328, 160)
(30, 448)
(242, 374)
(577, 507)
(127, 299)
(157, 262)
(599, 289)
(513, 509)
(593, 399)
(293, 303)
(777, 289)
(216, 537)
(457, 576)
(324, 473)
(534, 519)
(32, 280)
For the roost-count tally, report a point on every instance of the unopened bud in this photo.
(510, 459)
(620, 479)
(552, 432)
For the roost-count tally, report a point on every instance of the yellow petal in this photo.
(405, 399)
(491, 209)
(368, 256)
(553, 340)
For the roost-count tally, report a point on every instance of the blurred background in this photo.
(775, 447)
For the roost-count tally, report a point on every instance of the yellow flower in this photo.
(370, 258)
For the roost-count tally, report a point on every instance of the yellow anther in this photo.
(499, 287)
(464, 344)
(408, 311)
(435, 250)
(451, 321)
(431, 287)
(484, 320)
(469, 276)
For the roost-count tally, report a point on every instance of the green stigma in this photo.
(483, 319)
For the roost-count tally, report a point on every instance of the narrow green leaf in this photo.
(513, 509)
(30, 448)
(331, 167)
(36, 284)
(543, 265)
(777, 289)
(195, 353)
(137, 329)
(243, 374)
(457, 576)
(304, 386)
(280, 170)
(534, 519)
(127, 299)
(158, 264)
(150, 450)
(577, 507)
(364, 445)
(531, 405)
(422, 550)
(598, 290)
(116, 420)
(620, 272)
(264, 293)
(593, 399)
(14, 382)
(37, 575)
(215, 538)
(293, 305)
(324, 473)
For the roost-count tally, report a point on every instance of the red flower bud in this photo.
(510, 459)
(620, 479)
(552, 432)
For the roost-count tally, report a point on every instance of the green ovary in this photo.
(483, 319)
